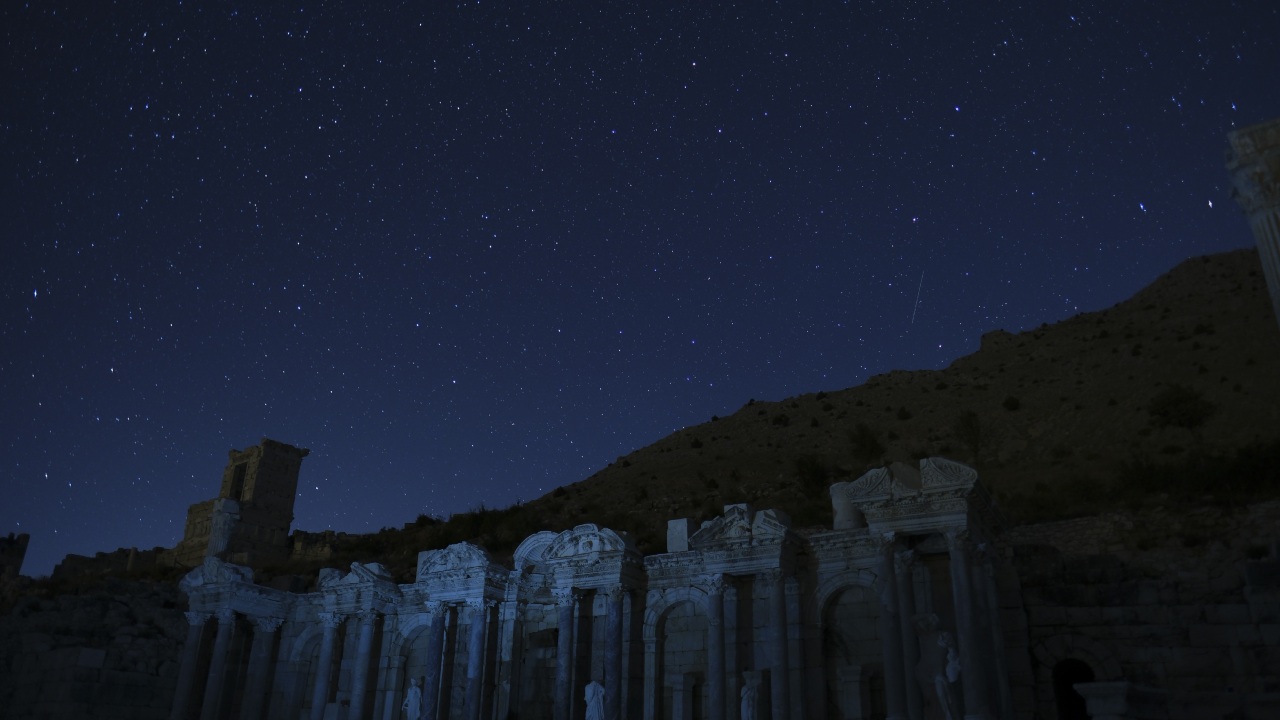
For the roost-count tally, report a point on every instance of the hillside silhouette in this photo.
(1169, 398)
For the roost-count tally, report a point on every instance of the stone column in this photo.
(255, 691)
(360, 674)
(1254, 163)
(895, 685)
(714, 585)
(973, 676)
(795, 648)
(510, 654)
(324, 664)
(613, 653)
(564, 653)
(731, 642)
(187, 672)
(903, 564)
(479, 619)
(435, 649)
(987, 585)
(218, 666)
(772, 582)
(652, 683)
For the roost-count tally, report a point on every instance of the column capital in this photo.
(225, 615)
(331, 620)
(367, 614)
(480, 603)
(904, 560)
(197, 618)
(565, 597)
(435, 607)
(958, 540)
(886, 542)
(713, 583)
(267, 624)
(615, 593)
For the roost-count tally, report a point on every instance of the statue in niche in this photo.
(938, 670)
(595, 700)
(412, 701)
(750, 698)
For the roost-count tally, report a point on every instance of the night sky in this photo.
(469, 253)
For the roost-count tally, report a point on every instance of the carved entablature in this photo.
(462, 571)
(673, 569)
(738, 528)
(217, 585)
(588, 544)
(939, 493)
(589, 556)
(366, 585)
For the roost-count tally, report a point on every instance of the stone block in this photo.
(1048, 616)
(91, 657)
(1204, 636)
(1078, 616)
(1227, 614)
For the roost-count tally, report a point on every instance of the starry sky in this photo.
(467, 253)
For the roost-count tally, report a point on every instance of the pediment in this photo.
(587, 542)
(457, 557)
(739, 526)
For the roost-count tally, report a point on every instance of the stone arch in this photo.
(833, 585)
(658, 607)
(852, 652)
(1052, 651)
(659, 602)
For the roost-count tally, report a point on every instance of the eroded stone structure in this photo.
(1254, 163)
(249, 520)
(894, 613)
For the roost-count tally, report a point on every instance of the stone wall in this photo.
(1188, 602)
(110, 654)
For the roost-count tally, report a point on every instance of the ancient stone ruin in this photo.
(913, 605)
(249, 520)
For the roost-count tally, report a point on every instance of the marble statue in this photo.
(750, 699)
(412, 701)
(595, 700)
(938, 669)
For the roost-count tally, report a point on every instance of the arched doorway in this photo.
(1071, 704)
(682, 661)
(852, 655)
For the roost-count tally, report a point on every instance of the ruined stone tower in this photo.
(249, 521)
(13, 550)
(1254, 163)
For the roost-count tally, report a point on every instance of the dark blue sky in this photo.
(468, 253)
